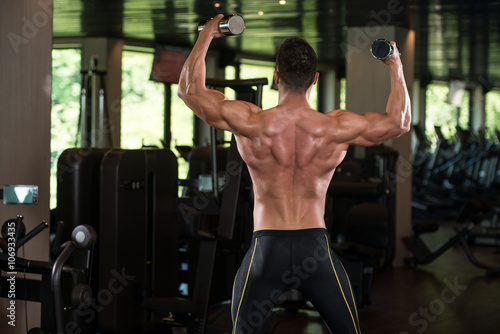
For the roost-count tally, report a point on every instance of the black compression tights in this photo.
(279, 260)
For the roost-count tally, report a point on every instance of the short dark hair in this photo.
(296, 64)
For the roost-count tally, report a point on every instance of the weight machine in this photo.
(470, 216)
(61, 308)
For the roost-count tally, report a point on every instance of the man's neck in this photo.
(287, 98)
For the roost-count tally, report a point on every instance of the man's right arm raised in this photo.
(210, 105)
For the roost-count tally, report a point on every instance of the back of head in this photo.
(296, 64)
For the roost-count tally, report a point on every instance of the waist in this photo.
(269, 220)
(289, 232)
(287, 217)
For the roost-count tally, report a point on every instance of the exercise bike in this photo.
(470, 216)
(59, 312)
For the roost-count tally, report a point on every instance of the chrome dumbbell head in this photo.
(229, 25)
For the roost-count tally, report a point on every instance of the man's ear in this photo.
(316, 78)
(276, 78)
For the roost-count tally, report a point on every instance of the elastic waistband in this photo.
(294, 232)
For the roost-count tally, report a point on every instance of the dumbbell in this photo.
(229, 25)
(382, 49)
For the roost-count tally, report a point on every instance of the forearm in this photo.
(202, 101)
(193, 74)
(398, 105)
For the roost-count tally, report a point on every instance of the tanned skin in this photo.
(291, 150)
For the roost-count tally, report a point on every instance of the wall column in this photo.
(328, 91)
(25, 105)
(418, 104)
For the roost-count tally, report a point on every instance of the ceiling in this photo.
(455, 39)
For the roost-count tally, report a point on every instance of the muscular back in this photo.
(291, 160)
(291, 150)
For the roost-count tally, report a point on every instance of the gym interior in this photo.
(124, 213)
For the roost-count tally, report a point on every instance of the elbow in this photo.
(405, 122)
(405, 128)
(181, 92)
(402, 129)
(188, 93)
(187, 87)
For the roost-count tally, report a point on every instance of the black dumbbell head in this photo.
(381, 48)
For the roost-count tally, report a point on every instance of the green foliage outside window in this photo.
(492, 115)
(142, 103)
(440, 113)
(143, 109)
(66, 85)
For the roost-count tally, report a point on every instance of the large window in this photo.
(492, 115)
(342, 93)
(182, 120)
(269, 96)
(440, 113)
(142, 102)
(143, 109)
(66, 85)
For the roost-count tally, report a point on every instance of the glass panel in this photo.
(269, 96)
(464, 117)
(142, 102)
(439, 113)
(492, 115)
(182, 120)
(342, 93)
(66, 86)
